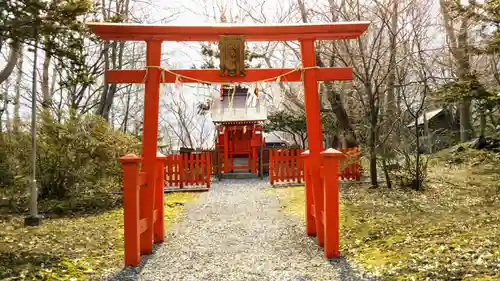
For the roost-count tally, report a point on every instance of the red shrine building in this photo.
(239, 115)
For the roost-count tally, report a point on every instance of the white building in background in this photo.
(239, 107)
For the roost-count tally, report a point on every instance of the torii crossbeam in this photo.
(153, 76)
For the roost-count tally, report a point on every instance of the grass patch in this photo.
(447, 232)
(71, 247)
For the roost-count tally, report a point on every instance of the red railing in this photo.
(322, 199)
(193, 169)
(351, 165)
(285, 166)
(142, 208)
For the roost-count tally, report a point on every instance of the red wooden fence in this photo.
(286, 165)
(350, 167)
(193, 169)
(142, 208)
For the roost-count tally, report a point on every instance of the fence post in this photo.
(331, 159)
(130, 165)
(159, 224)
(300, 166)
(310, 223)
(271, 166)
(182, 169)
(208, 160)
(281, 161)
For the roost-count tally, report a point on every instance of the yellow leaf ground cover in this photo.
(450, 231)
(73, 247)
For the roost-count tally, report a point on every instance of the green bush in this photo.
(77, 164)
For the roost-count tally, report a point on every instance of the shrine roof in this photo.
(267, 32)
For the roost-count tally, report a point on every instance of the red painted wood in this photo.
(130, 165)
(285, 165)
(331, 158)
(274, 32)
(199, 169)
(178, 169)
(168, 170)
(150, 139)
(353, 169)
(183, 171)
(310, 221)
(203, 168)
(212, 75)
(192, 167)
(271, 166)
(189, 169)
(159, 223)
(226, 151)
(314, 131)
(209, 164)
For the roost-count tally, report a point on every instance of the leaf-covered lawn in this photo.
(450, 231)
(70, 248)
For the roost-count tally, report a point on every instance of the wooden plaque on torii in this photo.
(232, 55)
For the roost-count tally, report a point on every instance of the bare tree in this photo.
(459, 49)
(184, 123)
(415, 167)
(113, 55)
(333, 94)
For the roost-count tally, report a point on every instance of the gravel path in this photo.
(237, 232)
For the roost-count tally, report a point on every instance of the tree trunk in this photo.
(373, 158)
(45, 87)
(391, 78)
(15, 53)
(466, 130)
(304, 141)
(127, 110)
(417, 156)
(4, 97)
(6, 107)
(459, 49)
(17, 99)
(332, 96)
(342, 118)
(338, 108)
(103, 108)
(387, 176)
(373, 143)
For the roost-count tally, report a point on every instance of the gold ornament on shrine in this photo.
(232, 55)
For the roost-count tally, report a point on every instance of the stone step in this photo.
(240, 175)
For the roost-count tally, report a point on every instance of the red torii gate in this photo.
(154, 75)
